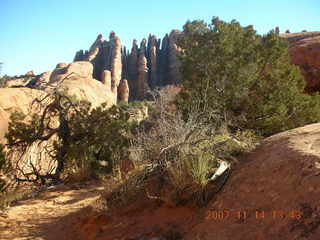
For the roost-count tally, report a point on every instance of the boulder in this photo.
(81, 69)
(89, 89)
(19, 82)
(15, 99)
(39, 81)
(80, 85)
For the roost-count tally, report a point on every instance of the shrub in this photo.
(188, 152)
(244, 79)
(4, 169)
(78, 139)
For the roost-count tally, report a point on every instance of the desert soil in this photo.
(272, 193)
(50, 214)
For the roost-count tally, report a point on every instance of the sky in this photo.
(38, 34)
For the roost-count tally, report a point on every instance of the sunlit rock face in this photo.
(304, 50)
(76, 80)
(152, 63)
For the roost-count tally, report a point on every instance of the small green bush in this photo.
(81, 141)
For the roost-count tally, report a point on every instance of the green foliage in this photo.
(3, 169)
(77, 137)
(3, 80)
(100, 135)
(245, 80)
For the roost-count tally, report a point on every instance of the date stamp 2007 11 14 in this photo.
(257, 214)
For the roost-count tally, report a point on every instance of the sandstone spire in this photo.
(152, 61)
(123, 91)
(142, 70)
(116, 64)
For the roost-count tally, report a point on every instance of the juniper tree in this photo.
(244, 78)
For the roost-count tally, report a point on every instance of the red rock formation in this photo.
(152, 60)
(133, 70)
(94, 49)
(142, 70)
(106, 78)
(147, 66)
(123, 91)
(40, 81)
(30, 73)
(304, 50)
(116, 64)
(80, 69)
(174, 64)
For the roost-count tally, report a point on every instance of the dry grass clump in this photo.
(184, 154)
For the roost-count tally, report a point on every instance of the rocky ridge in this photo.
(154, 63)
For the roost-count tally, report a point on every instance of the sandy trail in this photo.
(50, 214)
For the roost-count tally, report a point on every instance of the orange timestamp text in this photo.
(256, 214)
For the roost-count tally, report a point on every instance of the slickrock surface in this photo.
(273, 193)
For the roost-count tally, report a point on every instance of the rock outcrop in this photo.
(76, 80)
(15, 99)
(116, 63)
(155, 64)
(106, 78)
(106, 59)
(304, 50)
(142, 71)
(152, 52)
(272, 193)
(151, 65)
(174, 64)
(62, 71)
(94, 49)
(132, 62)
(18, 82)
(22, 100)
(30, 73)
(29, 80)
(40, 81)
(123, 91)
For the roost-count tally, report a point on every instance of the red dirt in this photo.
(281, 179)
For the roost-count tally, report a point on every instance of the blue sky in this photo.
(38, 34)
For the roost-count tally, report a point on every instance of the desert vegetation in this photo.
(244, 79)
(237, 86)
